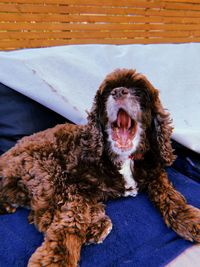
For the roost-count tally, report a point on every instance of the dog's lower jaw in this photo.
(121, 153)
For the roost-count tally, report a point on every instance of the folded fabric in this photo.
(139, 237)
(66, 78)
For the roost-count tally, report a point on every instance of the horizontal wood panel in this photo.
(188, 1)
(23, 26)
(94, 19)
(98, 27)
(31, 23)
(96, 34)
(13, 10)
(30, 8)
(19, 17)
(8, 45)
(127, 3)
(45, 8)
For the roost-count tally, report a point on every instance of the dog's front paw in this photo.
(98, 231)
(6, 207)
(187, 223)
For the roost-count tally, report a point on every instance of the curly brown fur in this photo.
(65, 173)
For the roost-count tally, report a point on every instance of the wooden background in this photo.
(37, 23)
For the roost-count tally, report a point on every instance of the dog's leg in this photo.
(184, 219)
(100, 225)
(59, 249)
(65, 236)
(12, 194)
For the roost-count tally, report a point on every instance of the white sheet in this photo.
(66, 78)
(189, 258)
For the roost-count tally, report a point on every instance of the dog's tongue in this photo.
(123, 119)
(123, 123)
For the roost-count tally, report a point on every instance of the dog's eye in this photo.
(143, 97)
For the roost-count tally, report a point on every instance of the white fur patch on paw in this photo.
(105, 234)
(131, 193)
(130, 183)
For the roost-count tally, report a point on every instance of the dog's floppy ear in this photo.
(93, 137)
(161, 129)
(94, 116)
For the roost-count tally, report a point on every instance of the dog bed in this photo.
(139, 236)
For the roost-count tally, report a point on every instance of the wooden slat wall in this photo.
(36, 23)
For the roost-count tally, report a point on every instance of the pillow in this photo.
(139, 236)
(22, 116)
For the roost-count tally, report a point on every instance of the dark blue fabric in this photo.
(20, 116)
(139, 237)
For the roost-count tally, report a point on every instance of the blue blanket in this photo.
(139, 237)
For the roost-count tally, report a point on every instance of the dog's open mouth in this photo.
(123, 130)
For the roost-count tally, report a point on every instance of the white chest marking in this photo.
(130, 183)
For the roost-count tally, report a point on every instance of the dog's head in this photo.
(128, 111)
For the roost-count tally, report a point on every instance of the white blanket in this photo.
(66, 78)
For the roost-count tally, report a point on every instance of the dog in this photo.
(65, 174)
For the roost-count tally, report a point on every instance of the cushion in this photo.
(22, 116)
(139, 236)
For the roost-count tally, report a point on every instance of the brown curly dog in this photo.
(65, 173)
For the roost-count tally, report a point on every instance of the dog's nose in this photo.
(119, 92)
